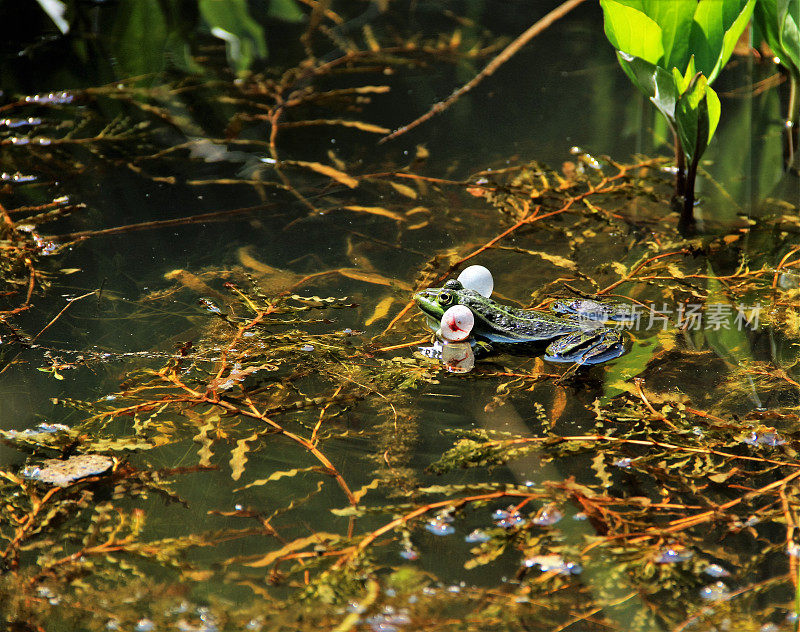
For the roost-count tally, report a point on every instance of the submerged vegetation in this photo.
(273, 453)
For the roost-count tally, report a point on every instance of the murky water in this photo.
(379, 463)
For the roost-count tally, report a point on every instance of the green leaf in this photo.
(286, 10)
(666, 95)
(140, 39)
(632, 32)
(728, 341)
(675, 20)
(715, 30)
(655, 82)
(778, 21)
(714, 111)
(230, 21)
(692, 118)
(682, 81)
(731, 36)
(618, 372)
(789, 34)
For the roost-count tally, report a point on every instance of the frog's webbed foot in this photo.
(587, 347)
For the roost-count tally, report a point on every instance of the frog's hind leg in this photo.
(587, 347)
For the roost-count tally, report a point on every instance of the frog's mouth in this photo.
(426, 301)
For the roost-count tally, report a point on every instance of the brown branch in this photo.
(163, 223)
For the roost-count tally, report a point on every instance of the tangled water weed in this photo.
(271, 448)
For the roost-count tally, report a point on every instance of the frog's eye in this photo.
(446, 297)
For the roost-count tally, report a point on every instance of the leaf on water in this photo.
(326, 170)
(291, 547)
(487, 553)
(317, 301)
(381, 310)
(277, 476)
(620, 269)
(599, 467)
(375, 210)
(675, 271)
(122, 444)
(561, 262)
(360, 125)
(372, 277)
(239, 456)
(202, 438)
(559, 404)
(423, 221)
(360, 493)
(404, 189)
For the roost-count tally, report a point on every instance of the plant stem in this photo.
(792, 117)
(687, 224)
(680, 165)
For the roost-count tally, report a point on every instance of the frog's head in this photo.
(435, 301)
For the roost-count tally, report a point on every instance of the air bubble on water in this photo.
(409, 554)
(507, 518)
(356, 607)
(553, 563)
(477, 536)
(673, 555)
(715, 570)
(771, 439)
(717, 591)
(145, 625)
(547, 516)
(439, 527)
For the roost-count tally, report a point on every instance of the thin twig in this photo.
(490, 69)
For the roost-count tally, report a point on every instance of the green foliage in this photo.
(779, 22)
(230, 21)
(672, 51)
(669, 34)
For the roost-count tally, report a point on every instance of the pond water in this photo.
(208, 272)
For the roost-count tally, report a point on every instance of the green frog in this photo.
(577, 335)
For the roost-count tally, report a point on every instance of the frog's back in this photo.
(502, 323)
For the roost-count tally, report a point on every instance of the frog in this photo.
(573, 332)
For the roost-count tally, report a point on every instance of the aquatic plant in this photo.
(779, 22)
(287, 461)
(672, 52)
